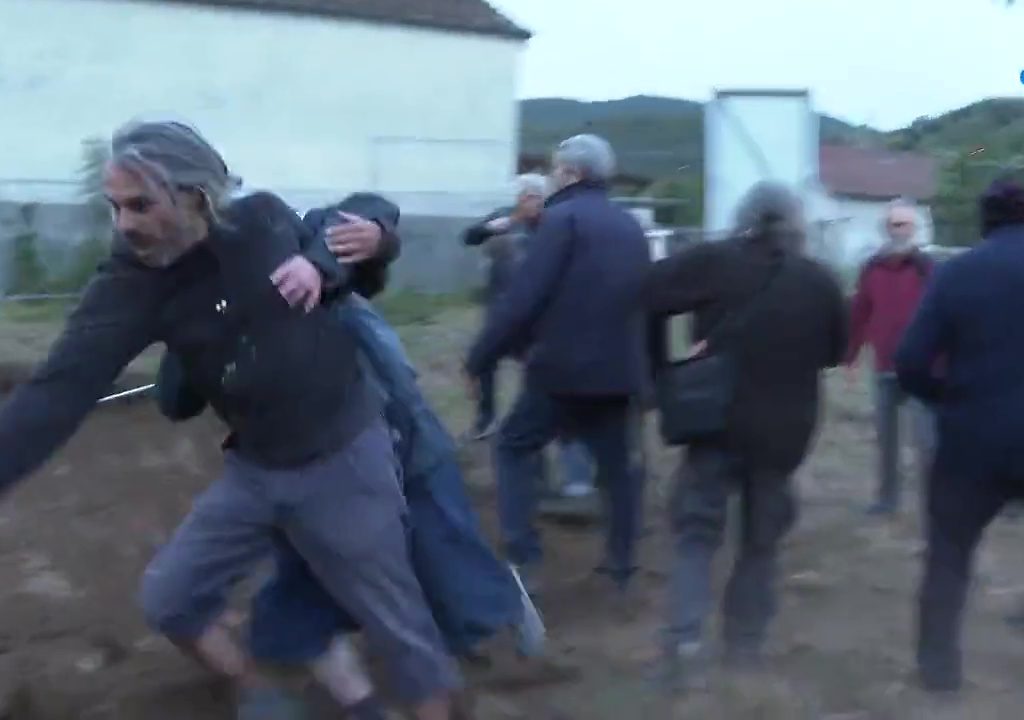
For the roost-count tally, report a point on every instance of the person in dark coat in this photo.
(796, 328)
(233, 286)
(889, 290)
(576, 305)
(964, 353)
(504, 235)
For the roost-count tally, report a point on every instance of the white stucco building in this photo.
(310, 98)
(853, 188)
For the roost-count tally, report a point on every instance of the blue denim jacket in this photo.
(422, 442)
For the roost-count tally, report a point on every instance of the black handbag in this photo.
(695, 395)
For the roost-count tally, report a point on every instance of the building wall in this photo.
(300, 105)
(850, 229)
(434, 258)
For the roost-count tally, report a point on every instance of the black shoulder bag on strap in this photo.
(695, 394)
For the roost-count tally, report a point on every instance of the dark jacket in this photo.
(175, 397)
(576, 300)
(286, 382)
(796, 329)
(888, 292)
(370, 276)
(505, 250)
(972, 317)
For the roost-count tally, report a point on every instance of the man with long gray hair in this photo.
(576, 304)
(781, 318)
(233, 287)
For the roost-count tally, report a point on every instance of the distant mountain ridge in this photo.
(655, 136)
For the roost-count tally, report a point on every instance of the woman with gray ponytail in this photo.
(233, 287)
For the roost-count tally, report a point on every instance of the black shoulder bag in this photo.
(695, 394)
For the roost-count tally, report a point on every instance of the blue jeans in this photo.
(603, 427)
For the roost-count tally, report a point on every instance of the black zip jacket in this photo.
(176, 396)
(286, 382)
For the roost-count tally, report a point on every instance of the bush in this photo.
(28, 274)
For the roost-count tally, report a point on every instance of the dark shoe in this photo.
(940, 683)
(743, 658)
(368, 709)
(940, 673)
(271, 704)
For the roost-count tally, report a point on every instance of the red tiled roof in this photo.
(470, 16)
(872, 173)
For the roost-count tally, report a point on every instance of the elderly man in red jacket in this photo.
(889, 290)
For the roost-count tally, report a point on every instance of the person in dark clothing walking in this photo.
(964, 352)
(233, 288)
(576, 304)
(505, 236)
(796, 328)
(888, 292)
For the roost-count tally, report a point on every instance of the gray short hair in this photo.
(771, 212)
(532, 184)
(173, 156)
(589, 155)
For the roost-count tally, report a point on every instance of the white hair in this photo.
(590, 156)
(532, 184)
(900, 203)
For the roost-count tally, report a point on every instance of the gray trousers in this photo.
(889, 401)
(345, 515)
(708, 477)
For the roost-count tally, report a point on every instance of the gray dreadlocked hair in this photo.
(172, 156)
(771, 213)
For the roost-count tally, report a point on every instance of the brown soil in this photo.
(74, 540)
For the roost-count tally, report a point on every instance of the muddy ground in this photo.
(74, 540)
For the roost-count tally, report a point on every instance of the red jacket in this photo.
(888, 293)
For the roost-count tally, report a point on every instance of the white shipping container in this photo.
(755, 135)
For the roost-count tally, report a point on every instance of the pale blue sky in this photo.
(883, 62)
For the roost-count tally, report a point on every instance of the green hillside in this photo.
(662, 139)
(654, 136)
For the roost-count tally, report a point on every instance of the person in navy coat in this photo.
(964, 355)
